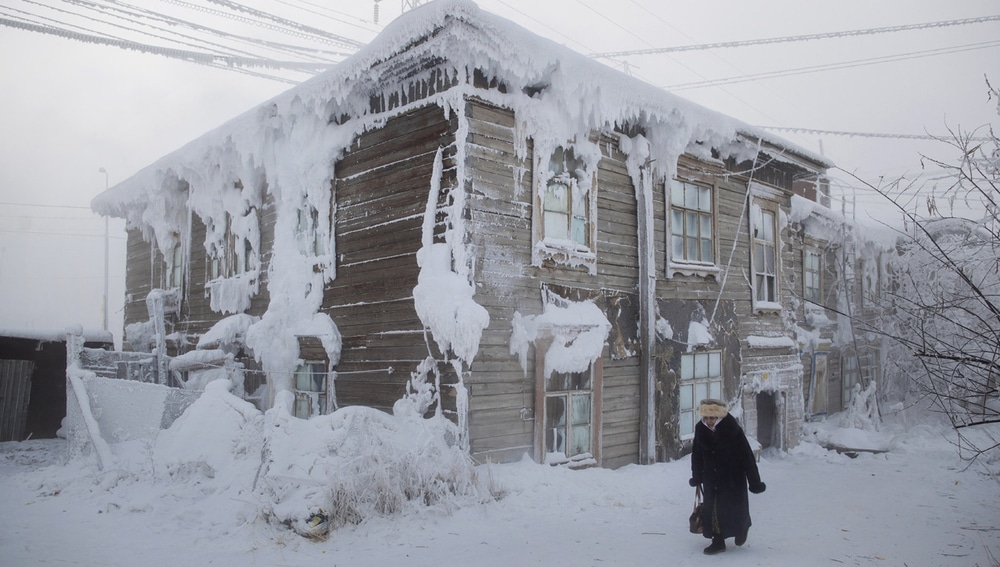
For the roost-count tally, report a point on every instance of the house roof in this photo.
(570, 94)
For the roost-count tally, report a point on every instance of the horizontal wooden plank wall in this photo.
(380, 194)
(501, 419)
(15, 395)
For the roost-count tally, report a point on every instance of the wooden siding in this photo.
(380, 194)
(502, 412)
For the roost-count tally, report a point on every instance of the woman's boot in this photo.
(718, 546)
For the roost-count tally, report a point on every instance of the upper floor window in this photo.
(692, 230)
(564, 223)
(811, 276)
(765, 256)
(236, 256)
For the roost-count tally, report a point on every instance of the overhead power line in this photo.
(794, 38)
(869, 134)
(833, 66)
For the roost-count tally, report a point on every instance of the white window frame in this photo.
(700, 378)
(767, 298)
(701, 205)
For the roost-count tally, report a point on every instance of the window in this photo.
(310, 389)
(236, 255)
(691, 223)
(568, 415)
(175, 266)
(564, 229)
(701, 377)
(849, 377)
(307, 234)
(810, 276)
(765, 252)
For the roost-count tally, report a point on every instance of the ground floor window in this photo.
(701, 377)
(849, 377)
(310, 389)
(568, 414)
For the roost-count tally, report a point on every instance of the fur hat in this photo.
(713, 408)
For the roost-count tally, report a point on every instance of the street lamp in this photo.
(106, 254)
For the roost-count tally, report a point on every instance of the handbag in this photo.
(694, 521)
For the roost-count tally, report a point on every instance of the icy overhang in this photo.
(552, 88)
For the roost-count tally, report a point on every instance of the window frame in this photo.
(542, 396)
(850, 376)
(816, 274)
(315, 398)
(685, 265)
(689, 411)
(772, 302)
(549, 250)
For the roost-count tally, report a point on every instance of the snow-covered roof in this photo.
(57, 335)
(577, 93)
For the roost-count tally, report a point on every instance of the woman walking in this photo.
(723, 463)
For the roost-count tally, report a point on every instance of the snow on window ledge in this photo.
(566, 253)
(233, 294)
(766, 307)
(699, 270)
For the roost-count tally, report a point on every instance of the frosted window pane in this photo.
(700, 391)
(705, 198)
(692, 249)
(580, 230)
(687, 423)
(581, 440)
(687, 397)
(676, 222)
(715, 389)
(678, 247)
(556, 225)
(690, 197)
(701, 365)
(768, 228)
(302, 378)
(691, 224)
(676, 193)
(715, 364)
(581, 410)
(557, 197)
(687, 367)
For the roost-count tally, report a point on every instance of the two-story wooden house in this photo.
(561, 257)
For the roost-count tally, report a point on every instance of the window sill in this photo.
(699, 270)
(766, 307)
(566, 253)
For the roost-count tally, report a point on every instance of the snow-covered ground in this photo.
(918, 504)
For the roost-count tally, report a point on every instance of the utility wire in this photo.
(868, 134)
(833, 66)
(793, 38)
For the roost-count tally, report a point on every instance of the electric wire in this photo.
(835, 66)
(796, 38)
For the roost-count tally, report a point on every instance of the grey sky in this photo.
(69, 108)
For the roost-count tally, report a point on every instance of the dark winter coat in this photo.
(724, 464)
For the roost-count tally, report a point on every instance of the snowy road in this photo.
(912, 506)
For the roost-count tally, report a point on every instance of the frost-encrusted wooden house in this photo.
(562, 257)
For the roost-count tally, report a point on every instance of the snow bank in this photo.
(318, 474)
